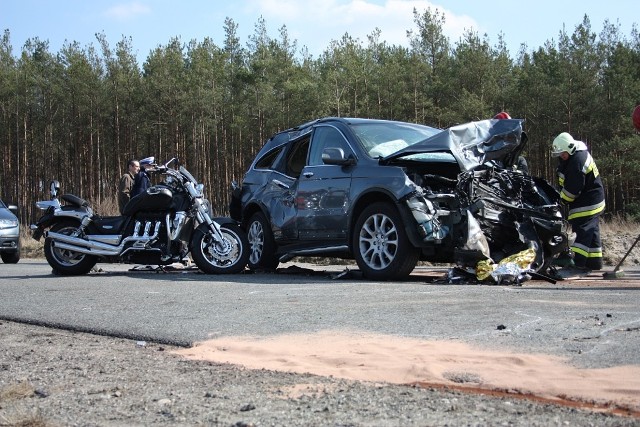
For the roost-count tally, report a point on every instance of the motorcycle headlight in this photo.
(207, 206)
(200, 189)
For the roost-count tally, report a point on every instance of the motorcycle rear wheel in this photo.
(63, 261)
(227, 257)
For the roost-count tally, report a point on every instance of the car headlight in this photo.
(8, 223)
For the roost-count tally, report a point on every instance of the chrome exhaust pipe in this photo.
(88, 251)
(97, 252)
(81, 243)
(64, 241)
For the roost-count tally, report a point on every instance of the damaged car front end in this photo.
(490, 209)
(389, 194)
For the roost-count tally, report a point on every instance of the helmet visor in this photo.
(555, 152)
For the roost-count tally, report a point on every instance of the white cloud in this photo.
(315, 23)
(127, 11)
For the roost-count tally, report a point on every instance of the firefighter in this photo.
(583, 192)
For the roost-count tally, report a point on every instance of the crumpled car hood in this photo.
(473, 144)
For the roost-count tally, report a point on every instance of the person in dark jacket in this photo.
(142, 181)
(583, 192)
(125, 187)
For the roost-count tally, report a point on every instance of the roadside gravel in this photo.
(51, 377)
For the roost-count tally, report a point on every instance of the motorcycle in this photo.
(158, 227)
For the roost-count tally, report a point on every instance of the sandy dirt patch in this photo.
(390, 359)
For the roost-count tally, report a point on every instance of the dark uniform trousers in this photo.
(587, 248)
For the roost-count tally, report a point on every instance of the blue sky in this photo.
(312, 23)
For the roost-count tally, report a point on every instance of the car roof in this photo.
(287, 135)
(471, 144)
(296, 131)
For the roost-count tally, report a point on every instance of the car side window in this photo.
(266, 162)
(297, 157)
(324, 137)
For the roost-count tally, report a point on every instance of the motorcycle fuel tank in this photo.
(155, 198)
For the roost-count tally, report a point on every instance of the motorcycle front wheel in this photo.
(226, 257)
(63, 261)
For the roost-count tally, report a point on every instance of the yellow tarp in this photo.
(523, 259)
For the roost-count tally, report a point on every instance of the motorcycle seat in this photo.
(74, 200)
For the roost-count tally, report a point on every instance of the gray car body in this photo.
(312, 206)
(9, 234)
(315, 208)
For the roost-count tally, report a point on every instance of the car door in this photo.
(283, 187)
(322, 195)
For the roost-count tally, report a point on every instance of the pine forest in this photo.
(78, 115)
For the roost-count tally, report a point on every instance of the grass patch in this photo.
(23, 418)
(30, 247)
(15, 391)
(14, 414)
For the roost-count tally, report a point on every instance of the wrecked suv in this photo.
(390, 194)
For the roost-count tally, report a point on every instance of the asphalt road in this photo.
(592, 321)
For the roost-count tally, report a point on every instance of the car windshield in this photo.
(2, 205)
(380, 139)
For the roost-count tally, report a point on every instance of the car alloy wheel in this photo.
(262, 247)
(382, 248)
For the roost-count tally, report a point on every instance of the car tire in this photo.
(261, 243)
(11, 257)
(380, 244)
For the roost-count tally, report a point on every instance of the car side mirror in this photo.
(13, 209)
(335, 156)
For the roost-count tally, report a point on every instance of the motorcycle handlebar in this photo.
(164, 167)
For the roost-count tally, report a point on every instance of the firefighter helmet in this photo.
(563, 142)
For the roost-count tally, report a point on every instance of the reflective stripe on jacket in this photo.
(581, 185)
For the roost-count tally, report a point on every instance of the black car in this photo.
(9, 234)
(391, 193)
